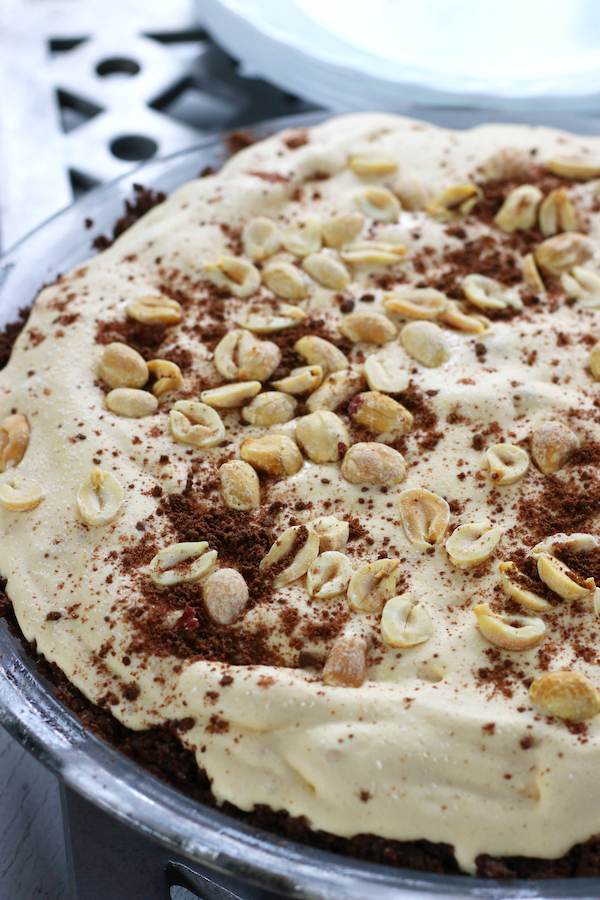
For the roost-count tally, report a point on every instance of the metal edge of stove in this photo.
(94, 769)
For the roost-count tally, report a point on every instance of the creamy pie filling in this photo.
(429, 726)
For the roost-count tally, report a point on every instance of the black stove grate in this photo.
(92, 88)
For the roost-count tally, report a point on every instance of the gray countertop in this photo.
(32, 848)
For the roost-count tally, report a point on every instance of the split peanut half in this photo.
(182, 563)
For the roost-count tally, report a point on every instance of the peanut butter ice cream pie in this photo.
(306, 466)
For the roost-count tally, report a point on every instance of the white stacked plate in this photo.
(390, 54)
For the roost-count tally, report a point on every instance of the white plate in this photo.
(385, 54)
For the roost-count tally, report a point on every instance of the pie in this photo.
(305, 467)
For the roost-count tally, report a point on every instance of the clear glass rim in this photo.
(93, 768)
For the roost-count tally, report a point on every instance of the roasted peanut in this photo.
(584, 285)
(122, 367)
(378, 412)
(454, 315)
(284, 280)
(455, 202)
(373, 164)
(510, 162)
(507, 462)
(531, 274)
(338, 388)
(333, 533)
(405, 622)
(517, 586)
(372, 584)
(378, 203)
(385, 375)
(415, 303)
(509, 632)
(261, 238)
(14, 440)
(368, 327)
(20, 494)
(487, 293)
(266, 319)
(239, 356)
(327, 270)
(225, 595)
(552, 445)
(196, 424)
(230, 396)
(303, 238)
(576, 542)
(226, 351)
(563, 252)
(323, 436)
(182, 563)
(472, 544)
(346, 664)
(274, 453)
(240, 487)
(301, 544)
(594, 362)
(342, 229)
(557, 213)
(270, 408)
(425, 516)
(329, 575)
(303, 380)
(575, 167)
(319, 352)
(168, 376)
(154, 310)
(99, 498)
(519, 210)
(426, 343)
(413, 194)
(561, 580)
(372, 253)
(371, 463)
(237, 275)
(568, 695)
(131, 403)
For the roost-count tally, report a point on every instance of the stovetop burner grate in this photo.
(89, 90)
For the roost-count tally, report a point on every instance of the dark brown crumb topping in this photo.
(143, 200)
(10, 333)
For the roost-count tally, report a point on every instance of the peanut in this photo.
(323, 436)
(275, 454)
(225, 595)
(240, 487)
(14, 440)
(122, 367)
(182, 563)
(372, 463)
